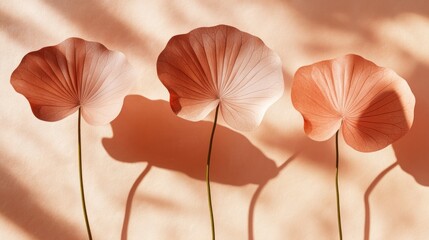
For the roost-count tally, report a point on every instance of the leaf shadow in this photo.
(412, 150)
(148, 131)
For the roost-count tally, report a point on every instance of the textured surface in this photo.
(144, 172)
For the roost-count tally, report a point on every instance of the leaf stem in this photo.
(340, 231)
(208, 175)
(82, 193)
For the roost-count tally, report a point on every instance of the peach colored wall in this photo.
(144, 173)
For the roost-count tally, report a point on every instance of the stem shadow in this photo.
(124, 232)
(366, 198)
(258, 193)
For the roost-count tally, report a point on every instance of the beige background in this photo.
(144, 172)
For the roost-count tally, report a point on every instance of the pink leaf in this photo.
(221, 65)
(372, 105)
(57, 80)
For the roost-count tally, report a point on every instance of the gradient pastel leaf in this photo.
(372, 105)
(57, 80)
(223, 66)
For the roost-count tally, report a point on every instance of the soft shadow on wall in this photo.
(354, 15)
(394, 123)
(23, 32)
(357, 19)
(20, 207)
(97, 21)
(148, 131)
(412, 151)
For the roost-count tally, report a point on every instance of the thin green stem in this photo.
(208, 175)
(340, 231)
(82, 193)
